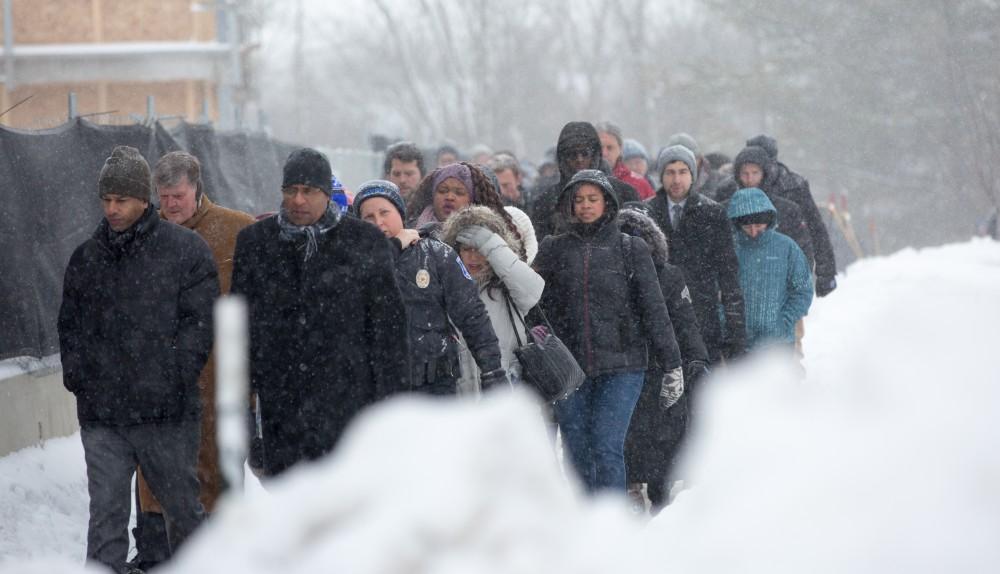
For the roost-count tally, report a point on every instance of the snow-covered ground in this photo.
(884, 459)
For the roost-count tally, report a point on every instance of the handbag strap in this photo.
(506, 298)
(510, 305)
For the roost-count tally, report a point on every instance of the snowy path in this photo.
(884, 460)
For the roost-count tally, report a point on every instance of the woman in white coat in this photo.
(495, 258)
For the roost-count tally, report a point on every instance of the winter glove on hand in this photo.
(825, 286)
(480, 239)
(735, 348)
(671, 388)
(695, 371)
(495, 378)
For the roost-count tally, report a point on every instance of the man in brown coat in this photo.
(178, 183)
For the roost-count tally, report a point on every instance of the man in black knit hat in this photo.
(135, 330)
(328, 332)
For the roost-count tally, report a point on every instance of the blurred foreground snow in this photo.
(884, 459)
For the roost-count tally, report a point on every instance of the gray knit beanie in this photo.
(125, 172)
(674, 153)
(686, 140)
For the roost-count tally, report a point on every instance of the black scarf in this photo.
(308, 234)
(120, 242)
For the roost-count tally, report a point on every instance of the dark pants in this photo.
(151, 543)
(594, 421)
(168, 454)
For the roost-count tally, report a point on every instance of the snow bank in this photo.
(884, 459)
(43, 502)
(425, 485)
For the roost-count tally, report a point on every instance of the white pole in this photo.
(231, 381)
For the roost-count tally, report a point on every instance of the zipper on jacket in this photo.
(586, 309)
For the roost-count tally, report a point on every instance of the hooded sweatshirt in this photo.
(774, 276)
(574, 135)
(602, 294)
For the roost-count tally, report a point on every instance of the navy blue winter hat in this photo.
(379, 188)
(307, 166)
(755, 155)
(765, 141)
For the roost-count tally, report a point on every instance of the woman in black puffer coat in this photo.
(604, 301)
(655, 435)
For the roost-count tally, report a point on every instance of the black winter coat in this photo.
(328, 337)
(545, 215)
(449, 293)
(655, 436)
(135, 325)
(703, 248)
(794, 187)
(605, 309)
(787, 185)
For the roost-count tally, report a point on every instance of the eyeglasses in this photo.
(306, 190)
(582, 152)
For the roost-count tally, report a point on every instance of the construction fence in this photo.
(48, 182)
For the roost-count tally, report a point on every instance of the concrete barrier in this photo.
(35, 406)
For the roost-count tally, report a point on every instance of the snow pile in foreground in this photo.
(43, 501)
(424, 485)
(885, 459)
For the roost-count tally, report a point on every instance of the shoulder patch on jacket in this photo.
(462, 267)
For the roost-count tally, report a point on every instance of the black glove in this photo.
(694, 371)
(735, 347)
(825, 286)
(495, 378)
(671, 387)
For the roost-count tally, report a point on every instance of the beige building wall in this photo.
(97, 21)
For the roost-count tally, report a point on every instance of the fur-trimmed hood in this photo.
(637, 223)
(479, 215)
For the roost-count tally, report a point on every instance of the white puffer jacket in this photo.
(521, 281)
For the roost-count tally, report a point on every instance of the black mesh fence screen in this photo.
(48, 182)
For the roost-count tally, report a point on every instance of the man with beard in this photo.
(701, 244)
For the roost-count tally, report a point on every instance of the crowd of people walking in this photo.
(653, 271)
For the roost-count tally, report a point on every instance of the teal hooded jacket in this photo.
(777, 286)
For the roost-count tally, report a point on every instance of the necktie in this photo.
(675, 218)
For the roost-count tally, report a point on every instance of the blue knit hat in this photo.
(632, 149)
(379, 188)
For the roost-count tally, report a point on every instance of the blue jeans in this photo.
(594, 421)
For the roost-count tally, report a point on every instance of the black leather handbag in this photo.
(547, 366)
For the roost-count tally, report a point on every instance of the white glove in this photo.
(480, 239)
(671, 388)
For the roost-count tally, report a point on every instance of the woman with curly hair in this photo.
(451, 188)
